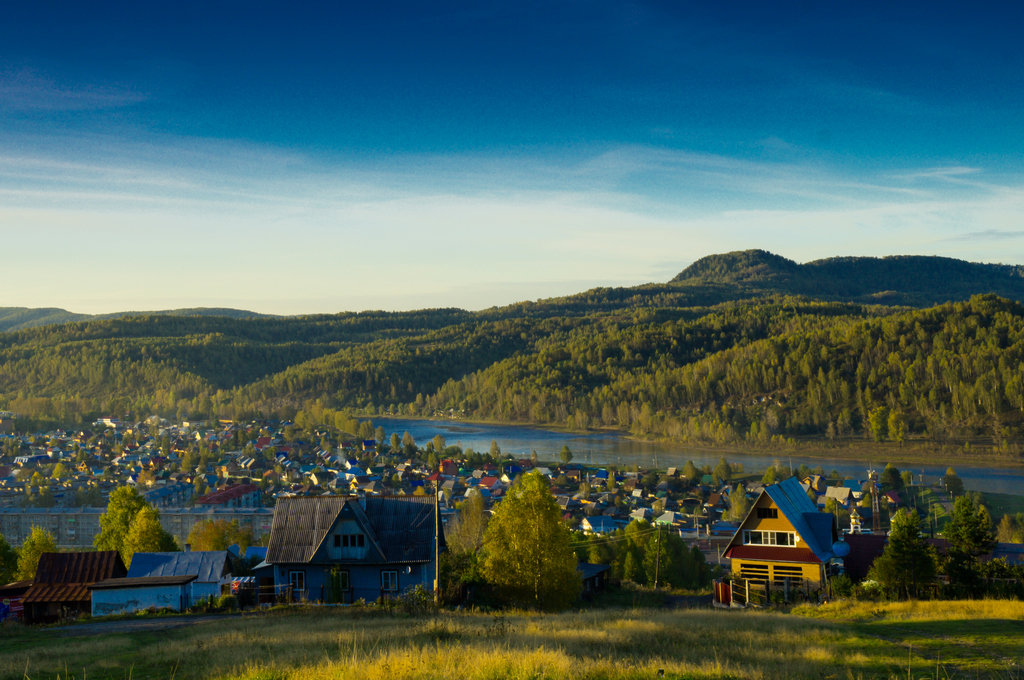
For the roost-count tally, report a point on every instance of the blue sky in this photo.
(346, 156)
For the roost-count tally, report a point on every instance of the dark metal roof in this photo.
(300, 526)
(209, 565)
(404, 526)
(398, 528)
(79, 567)
(143, 581)
(57, 592)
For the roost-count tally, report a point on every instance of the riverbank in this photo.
(848, 449)
(601, 447)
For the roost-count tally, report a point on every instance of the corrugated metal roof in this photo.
(404, 526)
(57, 592)
(208, 565)
(398, 528)
(815, 528)
(79, 567)
(300, 525)
(143, 581)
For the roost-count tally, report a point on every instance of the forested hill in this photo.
(900, 279)
(717, 356)
(20, 318)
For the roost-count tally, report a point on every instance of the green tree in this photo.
(565, 455)
(124, 504)
(8, 561)
(907, 565)
(722, 472)
(465, 531)
(877, 422)
(145, 534)
(952, 483)
(528, 556)
(739, 505)
(219, 534)
(890, 479)
(60, 472)
(39, 541)
(970, 536)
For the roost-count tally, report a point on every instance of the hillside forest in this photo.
(740, 349)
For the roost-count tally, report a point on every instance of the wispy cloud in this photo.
(24, 90)
(471, 231)
(989, 235)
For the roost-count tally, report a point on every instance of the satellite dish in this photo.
(840, 548)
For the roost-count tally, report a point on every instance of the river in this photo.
(604, 448)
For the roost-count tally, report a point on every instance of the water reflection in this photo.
(606, 448)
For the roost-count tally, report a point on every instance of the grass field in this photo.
(982, 639)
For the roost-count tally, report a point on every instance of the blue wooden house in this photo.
(346, 548)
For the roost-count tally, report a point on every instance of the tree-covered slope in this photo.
(748, 372)
(900, 279)
(717, 355)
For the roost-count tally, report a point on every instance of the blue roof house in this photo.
(211, 569)
(345, 548)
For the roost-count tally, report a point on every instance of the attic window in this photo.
(767, 513)
(349, 541)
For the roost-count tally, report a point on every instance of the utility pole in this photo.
(657, 561)
(437, 549)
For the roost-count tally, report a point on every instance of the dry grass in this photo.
(608, 644)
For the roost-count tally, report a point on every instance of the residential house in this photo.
(60, 589)
(782, 544)
(211, 569)
(342, 548)
(128, 595)
(241, 496)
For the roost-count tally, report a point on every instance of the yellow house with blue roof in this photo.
(783, 545)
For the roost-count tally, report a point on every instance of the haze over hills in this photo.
(741, 347)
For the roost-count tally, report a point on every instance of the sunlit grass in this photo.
(837, 641)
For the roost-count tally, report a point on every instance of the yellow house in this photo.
(783, 546)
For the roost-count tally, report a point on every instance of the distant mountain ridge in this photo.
(913, 280)
(21, 318)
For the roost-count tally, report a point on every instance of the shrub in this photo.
(227, 603)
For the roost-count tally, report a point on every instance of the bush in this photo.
(227, 603)
(416, 601)
(840, 585)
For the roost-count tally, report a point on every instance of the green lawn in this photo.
(974, 640)
(1000, 504)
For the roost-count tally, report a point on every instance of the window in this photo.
(349, 541)
(767, 513)
(343, 581)
(389, 581)
(297, 580)
(769, 538)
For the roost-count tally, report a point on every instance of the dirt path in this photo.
(136, 625)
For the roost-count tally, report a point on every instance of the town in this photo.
(277, 490)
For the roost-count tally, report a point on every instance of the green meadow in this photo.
(980, 639)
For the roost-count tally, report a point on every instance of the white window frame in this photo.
(295, 583)
(789, 538)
